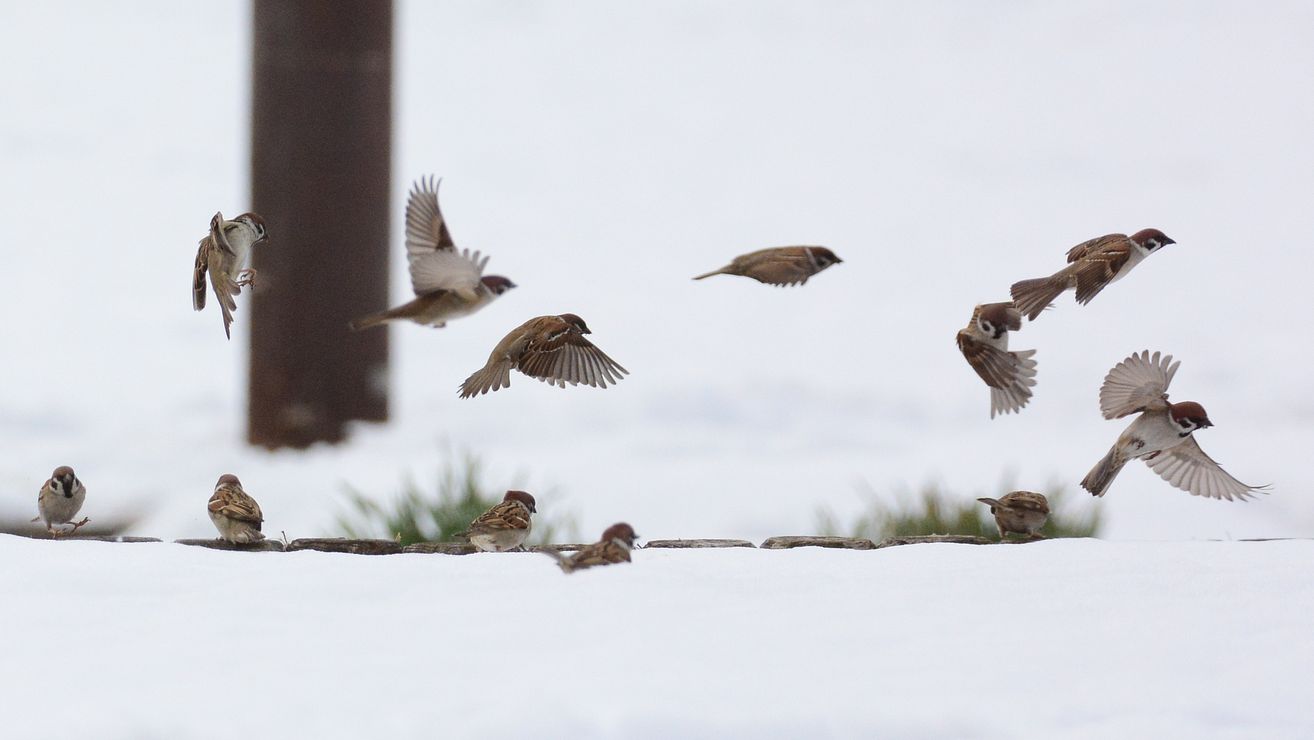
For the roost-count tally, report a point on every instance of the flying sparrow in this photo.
(223, 253)
(779, 266)
(550, 348)
(505, 526)
(59, 501)
(1163, 433)
(1092, 266)
(235, 514)
(614, 547)
(984, 343)
(448, 284)
(1020, 512)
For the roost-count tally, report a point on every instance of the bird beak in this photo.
(1167, 241)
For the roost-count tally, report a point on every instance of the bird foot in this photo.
(246, 278)
(72, 528)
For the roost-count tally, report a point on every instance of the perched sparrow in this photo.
(1161, 435)
(984, 343)
(1020, 512)
(223, 253)
(1092, 266)
(59, 501)
(550, 348)
(779, 265)
(505, 526)
(235, 514)
(614, 547)
(448, 284)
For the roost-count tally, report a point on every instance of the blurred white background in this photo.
(603, 153)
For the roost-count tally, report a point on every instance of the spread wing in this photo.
(237, 505)
(1187, 467)
(568, 357)
(997, 367)
(505, 516)
(1137, 383)
(426, 231)
(1096, 262)
(198, 275)
(782, 270)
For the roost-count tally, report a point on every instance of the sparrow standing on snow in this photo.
(779, 266)
(505, 526)
(550, 348)
(448, 284)
(236, 515)
(1020, 512)
(1163, 433)
(223, 253)
(614, 547)
(1093, 265)
(984, 343)
(59, 501)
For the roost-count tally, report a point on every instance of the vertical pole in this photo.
(321, 128)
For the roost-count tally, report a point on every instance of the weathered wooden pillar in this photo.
(321, 134)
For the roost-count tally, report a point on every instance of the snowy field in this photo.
(1059, 639)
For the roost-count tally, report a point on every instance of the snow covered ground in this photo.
(1058, 639)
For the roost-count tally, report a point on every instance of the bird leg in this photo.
(246, 277)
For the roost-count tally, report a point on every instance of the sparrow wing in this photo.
(598, 553)
(568, 357)
(997, 367)
(1187, 467)
(1092, 246)
(198, 274)
(1137, 383)
(426, 231)
(447, 269)
(236, 504)
(1096, 269)
(507, 515)
(781, 269)
(1025, 501)
(225, 288)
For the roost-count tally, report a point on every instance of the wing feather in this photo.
(1188, 468)
(1137, 383)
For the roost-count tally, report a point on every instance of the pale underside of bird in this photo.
(1163, 433)
(614, 547)
(1092, 266)
(1019, 512)
(505, 526)
(984, 343)
(235, 514)
(222, 255)
(552, 349)
(779, 266)
(448, 283)
(59, 501)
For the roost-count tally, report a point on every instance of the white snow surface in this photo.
(1057, 639)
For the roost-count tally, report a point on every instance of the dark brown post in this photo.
(320, 173)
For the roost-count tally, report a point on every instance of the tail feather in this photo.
(990, 501)
(1099, 478)
(488, 378)
(365, 322)
(1033, 296)
(723, 271)
(563, 562)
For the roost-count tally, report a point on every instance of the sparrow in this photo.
(235, 514)
(781, 266)
(984, 343)
(1092, 266)
(223, 253)
(614, 547)
(448, 284)
(505, 526)
(550, 348)
(1020, 512)
(1163, 434)
(59, 501)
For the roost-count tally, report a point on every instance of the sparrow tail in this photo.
(1033, 296)
(705, 275)
(489, 378)
(365, 322)
(990, 502)
(1099, 478)
(563, 562)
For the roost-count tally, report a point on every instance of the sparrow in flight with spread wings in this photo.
(550, 348)
(223, 253)
(1092, 266)
(984, 342)
(1163, 434)
(780, 266)
(448, 283)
